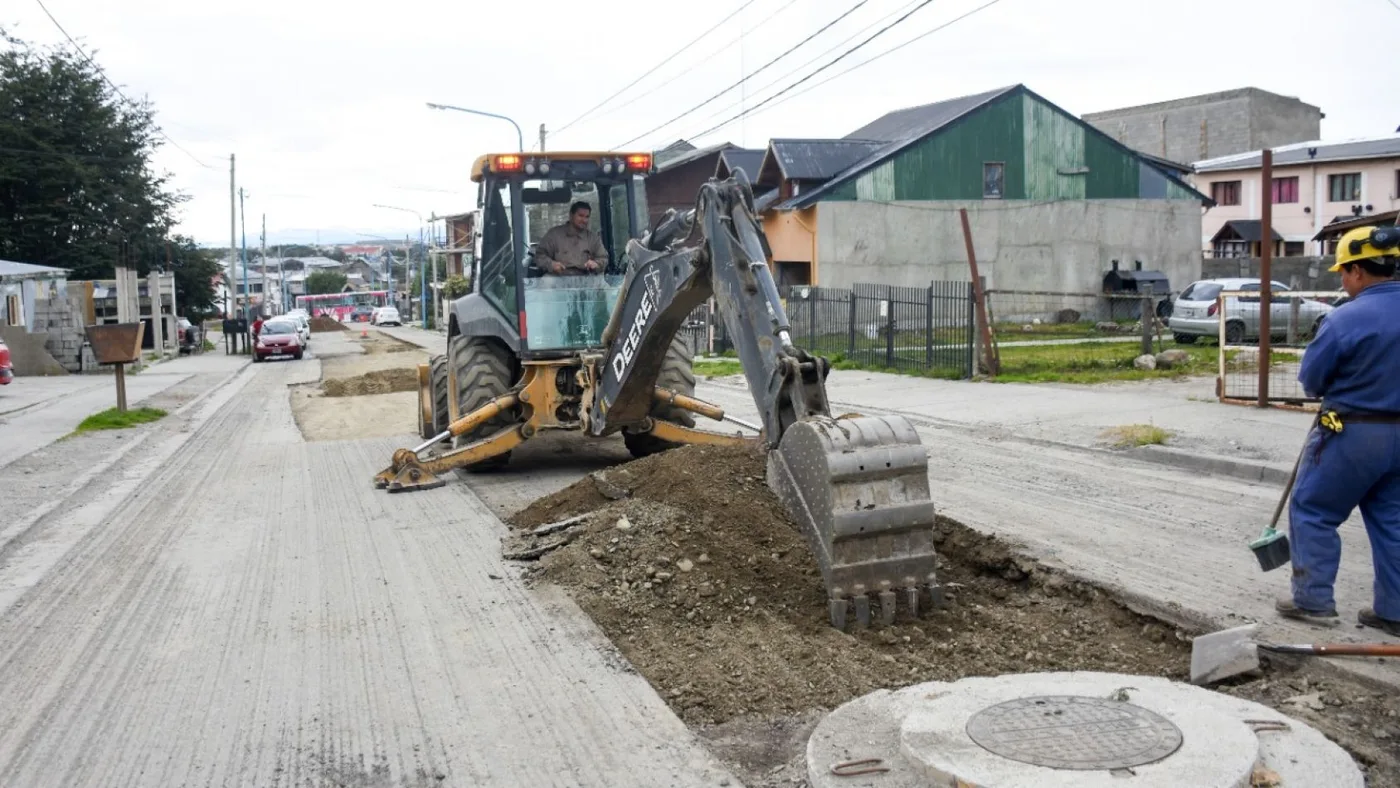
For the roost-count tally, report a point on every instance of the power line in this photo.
(701, 62)
(891, 51)
(112, 84)
(829, 64)
(749, 76)
(653, 69)
(811, 60)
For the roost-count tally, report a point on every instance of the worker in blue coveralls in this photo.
(1352, 458)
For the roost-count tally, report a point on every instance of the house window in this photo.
(14, 314)
(993, 180)
(1286, 190)
(1231, 249)
(1293, 248)
(1345, 187)
(1225, 192)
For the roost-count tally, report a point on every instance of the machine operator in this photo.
(1352, 458)
(571, 249)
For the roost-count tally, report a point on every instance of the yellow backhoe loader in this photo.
(605, 354)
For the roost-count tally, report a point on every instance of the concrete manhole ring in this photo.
(1074, 732)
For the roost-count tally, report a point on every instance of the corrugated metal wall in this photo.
(1047, 154)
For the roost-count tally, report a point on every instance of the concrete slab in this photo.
(921, 735)
(252, 612)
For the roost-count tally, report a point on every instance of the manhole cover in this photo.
(1072, 732)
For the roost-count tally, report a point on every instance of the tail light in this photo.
(1213, 309)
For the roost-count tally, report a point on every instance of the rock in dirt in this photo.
(1312, 700)
(1145, 362)
(1174, 357)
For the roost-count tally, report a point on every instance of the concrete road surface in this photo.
(231, 606)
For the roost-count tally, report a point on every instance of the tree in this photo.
(194, 269)
(337, 254)
(323, 281)
(78, 189)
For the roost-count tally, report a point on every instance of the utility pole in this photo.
(263, 246)
(243, 223)
(425, 261)
(232, 231)
(541, 138)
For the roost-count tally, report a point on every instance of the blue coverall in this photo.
(1354, 365)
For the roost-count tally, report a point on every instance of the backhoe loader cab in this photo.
(521, 197)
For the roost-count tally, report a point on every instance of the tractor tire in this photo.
(437, 382)
(1184, 339)
(678, 375)
(483, 371)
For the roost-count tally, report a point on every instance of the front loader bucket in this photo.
(859, 488)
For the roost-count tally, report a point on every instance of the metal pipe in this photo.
(1266, 243)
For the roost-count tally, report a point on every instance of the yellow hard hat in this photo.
(1363, 243)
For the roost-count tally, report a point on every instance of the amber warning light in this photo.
(508, 163)
(639, 161)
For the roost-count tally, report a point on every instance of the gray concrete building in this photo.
(1212, 125)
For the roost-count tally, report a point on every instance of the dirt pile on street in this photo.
(321, 323)
(693, 569)
(382, 381)
(383, 343)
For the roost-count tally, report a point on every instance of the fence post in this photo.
(1148, 318)
(889, 330)
(928, 327)
(812, 296)
(1294, 305)
(851, 327)
(971, 332)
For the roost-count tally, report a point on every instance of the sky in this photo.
(324, 104)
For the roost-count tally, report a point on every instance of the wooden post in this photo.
(1266, 244)
(1147, 319)
(989, 360)
(121, 387)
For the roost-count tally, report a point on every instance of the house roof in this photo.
(1341, 224)
(810, 160)
(1248, 230)
(747, 159)
(683, 158)
(13, 270)
(906, 127)
(1309, 152)
(1166, 163)
(677, 148)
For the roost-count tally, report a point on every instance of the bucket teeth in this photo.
(862, 611)
(887, 607)
(837, 609)
(911, 594)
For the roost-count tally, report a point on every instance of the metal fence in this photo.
(926, 330)
(1046, 315)
(1294, 317)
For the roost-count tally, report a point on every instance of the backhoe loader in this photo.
(605, 354)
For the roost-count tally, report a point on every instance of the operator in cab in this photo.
(571, 249)
(1352, 456)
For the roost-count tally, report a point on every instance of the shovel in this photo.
(1230, 652)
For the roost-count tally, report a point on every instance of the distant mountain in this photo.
(335, 236)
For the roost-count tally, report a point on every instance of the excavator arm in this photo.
(857, 485)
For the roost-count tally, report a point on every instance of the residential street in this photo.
(233, 606)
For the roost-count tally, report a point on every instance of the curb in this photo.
(22, 527)
(1220, 466)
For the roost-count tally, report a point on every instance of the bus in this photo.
(340, 305)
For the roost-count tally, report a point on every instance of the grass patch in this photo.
(112, 419)
(1131, 436)
(717, 367)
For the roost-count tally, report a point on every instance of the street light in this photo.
(423, 290)
(520, 137)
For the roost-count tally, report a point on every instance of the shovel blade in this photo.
(1220, 655)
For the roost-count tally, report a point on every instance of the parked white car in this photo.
(1194, 313)
(302, 322)
(385, 316)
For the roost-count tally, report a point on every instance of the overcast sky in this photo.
(323, 103)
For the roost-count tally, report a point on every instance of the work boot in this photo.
(1288, 609)
(1368, 618)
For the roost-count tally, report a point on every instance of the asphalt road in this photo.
(228, 605)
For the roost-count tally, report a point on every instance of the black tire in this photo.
(437, 380)
(678, 375)
(483, 370)
(1185, 339)
(1234, 333)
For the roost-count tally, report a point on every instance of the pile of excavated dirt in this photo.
(383, 343)
(322, 323)
(694, 570)
(382, 381)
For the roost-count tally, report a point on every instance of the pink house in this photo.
(1314, 184)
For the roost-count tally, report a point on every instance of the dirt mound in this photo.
(322, 323)
(693, 569)
(382, 343)
(382, 381)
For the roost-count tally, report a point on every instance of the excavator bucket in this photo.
(859, 488)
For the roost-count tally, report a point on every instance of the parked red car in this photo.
(278, 339)
(7, 370)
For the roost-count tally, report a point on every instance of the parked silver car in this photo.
(1194, 313)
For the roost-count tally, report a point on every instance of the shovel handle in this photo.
(1355, 649)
